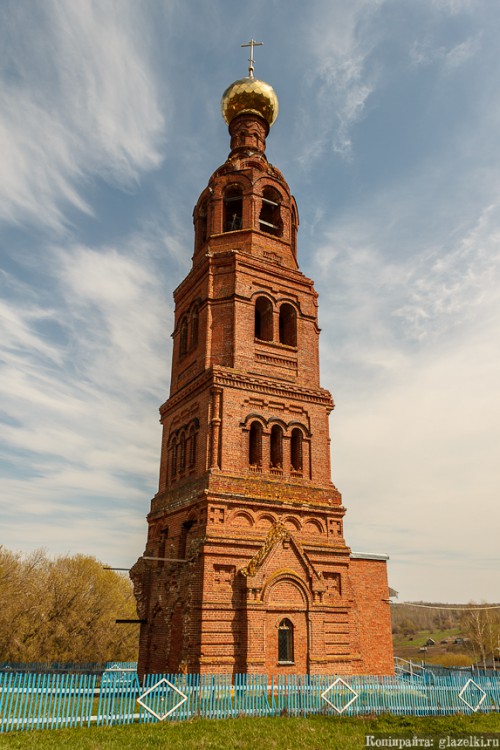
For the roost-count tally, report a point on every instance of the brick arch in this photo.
(268, 518)
(252, 417)
(240, 515)
(293, 523)
(286, 589)
(313, 526)
(294, 424)
(277, 420)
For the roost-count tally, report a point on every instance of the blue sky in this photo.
(388, 136)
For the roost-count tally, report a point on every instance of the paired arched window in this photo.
(188, 330)
(255, 445)
(233, 208)
(263, 325)
(270, 213)
(263, 319)
(285, 641)
(182, 450)
(288, 324)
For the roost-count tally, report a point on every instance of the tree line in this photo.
(64, 609)
(477, 623)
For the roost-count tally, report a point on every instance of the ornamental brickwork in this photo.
(246, 568)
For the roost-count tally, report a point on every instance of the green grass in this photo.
(283, 733)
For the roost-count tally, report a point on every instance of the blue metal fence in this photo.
(38, 701)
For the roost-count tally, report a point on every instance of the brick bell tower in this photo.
(246, 568)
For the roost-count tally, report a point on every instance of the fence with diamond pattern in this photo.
(39, 701)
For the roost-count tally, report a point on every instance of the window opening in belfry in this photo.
(201, 225)
(263, 319)
(270, 213)
(296, 449)
(276, 447)
(288, 325)
(183, 344)
(285, 641)
(255, 445)
(194, 327)
(233, 209)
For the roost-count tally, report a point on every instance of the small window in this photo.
(162, 546)
(296, 449)
(263, 319)
(255, 445)
(288, 325)
(276, 447)
(285, 642)
(194, 327)
(270, 213)
(183, 344)
(233, 209)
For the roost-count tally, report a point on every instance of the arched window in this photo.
(296, 449)
(201, 225)
(182, 452)
(183, 342)
(194, 327)
(173, 459)
(233, 208)
(285, 641)
(186, 527)
(263, 319)
(288, 324)
(162, 546)
(192, 448)
(276, 447)
(270, 214)
(255, 445)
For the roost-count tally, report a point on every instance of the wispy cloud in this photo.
(79, 99)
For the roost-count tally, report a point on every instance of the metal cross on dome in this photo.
(252, 43)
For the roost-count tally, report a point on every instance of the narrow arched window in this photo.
(285, 641)
(182, 452)
(255, 445)
(192, 449)
(270, 213)
(194, 327)
(183, 338)
(288, 324)
(185, 529)
(233, 208)
(173, 459)
(296, 449)
(201, 226)
(276, 447)
(263, 319)
(162, 544)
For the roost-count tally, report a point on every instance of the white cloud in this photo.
(78, 99)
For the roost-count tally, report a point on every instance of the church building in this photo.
(246, 567)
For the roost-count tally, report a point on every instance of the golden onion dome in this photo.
(249, 95)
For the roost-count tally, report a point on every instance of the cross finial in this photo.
(252, 43)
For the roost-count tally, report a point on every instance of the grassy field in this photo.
(314, 733)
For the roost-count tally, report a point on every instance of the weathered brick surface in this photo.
(244, 542)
